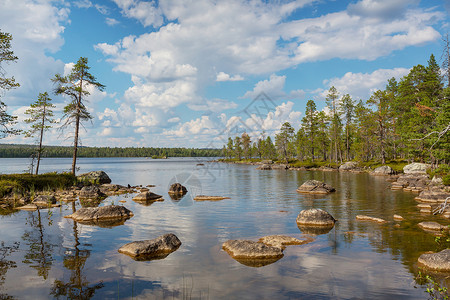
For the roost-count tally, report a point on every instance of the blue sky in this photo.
(185, 73)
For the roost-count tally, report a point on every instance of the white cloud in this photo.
(104, 10)
(199, 126)
(274, 89)
(214, 105)
(145, 12)
(83, 3)
(111, 21)
(222, 76)
(362, 85)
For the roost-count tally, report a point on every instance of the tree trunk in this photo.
(40, 142)
(75, 144)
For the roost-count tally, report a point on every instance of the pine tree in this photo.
(382, 117)
(310, 126)
(332, 103)
(41, 114)
(6, 55)
(75, 87)
(347, 108)
(284, 141)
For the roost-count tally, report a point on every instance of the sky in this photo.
(192, 73)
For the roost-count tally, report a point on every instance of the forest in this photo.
(11, 151)
(408, 120)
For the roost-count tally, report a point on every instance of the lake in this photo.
(44, 255)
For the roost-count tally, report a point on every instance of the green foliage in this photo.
(443, 241)
(22, 183)
(6, 55)
(434, 288)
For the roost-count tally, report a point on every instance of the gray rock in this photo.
(436, 261)
(44, 200)
(416, 168)
(146, 196)
(281, 241)
(315, 217)
(91, 192)
(280, 167)
(348, 166)
(209, 198)
(264, 167)
(383, 170)
(246, 249)
(437, 181)
(94, 177)
(157, 248)
(177, 189)
(109, 212)
(315, 187)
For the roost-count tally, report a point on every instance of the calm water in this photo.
(44, 255)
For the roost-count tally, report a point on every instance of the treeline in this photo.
(11, 151)
(409, 119)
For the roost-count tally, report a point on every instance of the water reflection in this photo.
(40, 249)
(6, 264)
(76, 286)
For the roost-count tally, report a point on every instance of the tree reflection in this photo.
(77, 286)
(5, 264)
(40, 253)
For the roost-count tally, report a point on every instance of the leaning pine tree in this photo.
(41, 114)
(75, 87)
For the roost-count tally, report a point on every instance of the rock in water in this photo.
(383, 170)
(315, 217)
(94, 177)
(315, 187)
(209, 198)
(91, 192)
(281, 241)
(44, 200)
(416, 168)
(157, 248)
(86, 214)
(433, 226)
(373, 219)
(177, 189)
(245, 249)
(146, 196)
(436, 261)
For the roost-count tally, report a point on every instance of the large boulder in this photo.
(315, 187)
(94, 177)
(348, 166)
(416, 168)
(157, 248)
(177, 189)
(87, 214)
(264, 167)
(383, 171)
(315, 217)
(436, 261)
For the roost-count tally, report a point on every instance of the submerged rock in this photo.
(86, 214)
(416, 168)
(315, 187)
(209, 198)
(373, 219)
(433, 226)
(245, 249)
(315, 217)
(177, 189)
(157, 248)
(281, 241)
(398, 218)
(436, 261)
(94, 177)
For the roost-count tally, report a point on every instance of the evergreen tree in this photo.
(310, 126)
(6, 55)
(382, 116)
(301, 143)
(238, 148)
(284, 140)
(347, 108)
(41, 114)
(332, 103)
(230, 148)
(75, 86)
(246, 144)
(322, 137)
